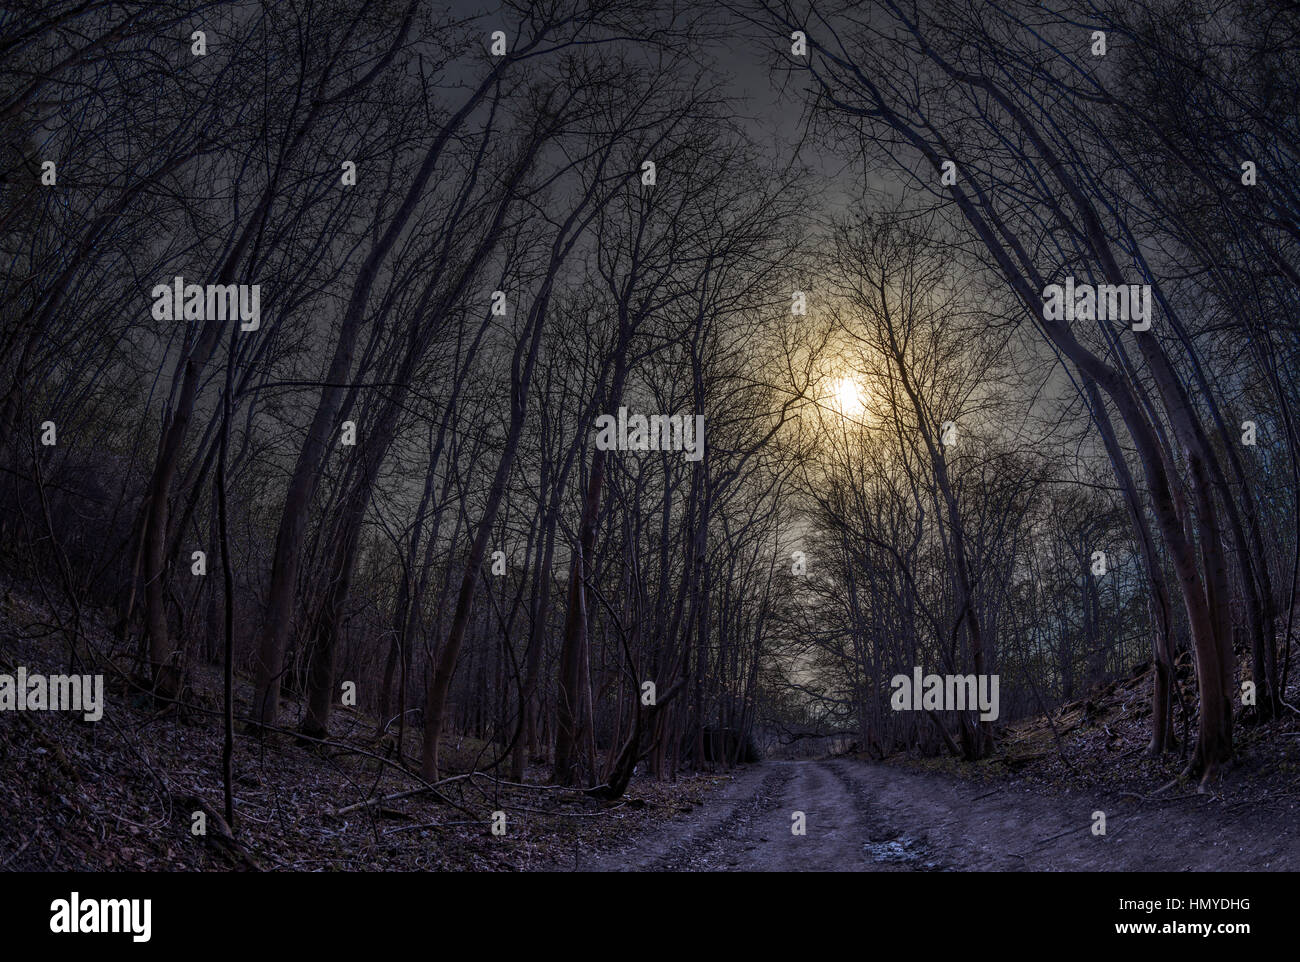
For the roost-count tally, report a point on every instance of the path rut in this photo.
(861, 817)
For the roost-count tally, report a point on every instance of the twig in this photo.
(21, 848)
(378, 800)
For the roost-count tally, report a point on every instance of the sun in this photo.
(848, 397)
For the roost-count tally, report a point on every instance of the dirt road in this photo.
(860, 817)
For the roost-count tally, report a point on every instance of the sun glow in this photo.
(848, 398)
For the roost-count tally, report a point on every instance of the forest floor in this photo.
(121, 794)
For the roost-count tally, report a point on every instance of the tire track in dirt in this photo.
(748, 828)
(686, 843)
(721, 847)
(835, 827)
